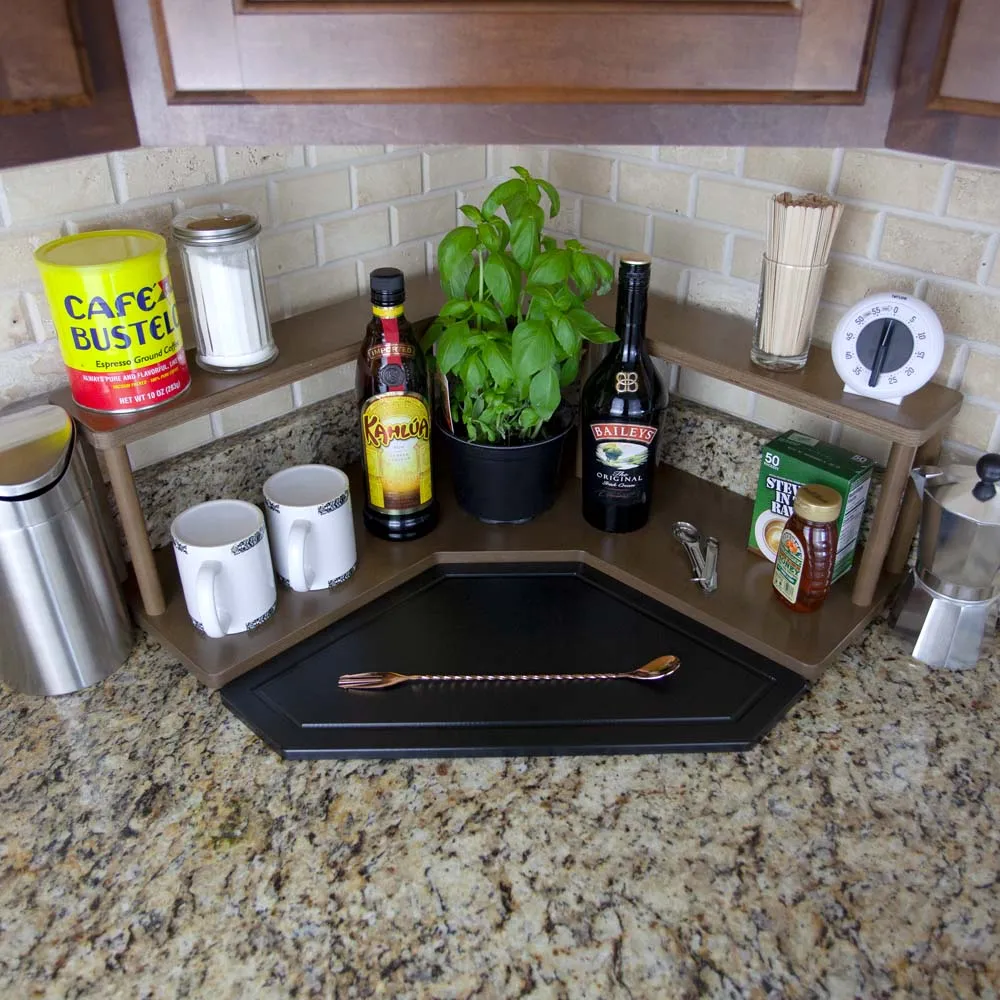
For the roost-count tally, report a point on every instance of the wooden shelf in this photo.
(649, 560)
(707, 342)
(704, 341)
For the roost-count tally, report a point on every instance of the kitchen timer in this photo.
(887, 346)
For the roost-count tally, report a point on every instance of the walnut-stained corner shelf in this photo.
(704, 341)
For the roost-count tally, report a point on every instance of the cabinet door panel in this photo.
(63, 89)
(226, 111)
(971, 78)
(641, 51)
(41, 65)
(948, 98)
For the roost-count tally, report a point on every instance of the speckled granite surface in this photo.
(150, 846)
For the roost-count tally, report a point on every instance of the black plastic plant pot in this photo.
(508, 484)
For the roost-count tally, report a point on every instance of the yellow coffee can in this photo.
(115, 314)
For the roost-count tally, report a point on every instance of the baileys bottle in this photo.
(620, 410)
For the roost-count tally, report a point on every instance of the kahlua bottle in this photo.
(394, 396)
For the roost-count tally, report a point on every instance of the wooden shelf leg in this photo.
(897, 475)
(909, 513)
(134, 526)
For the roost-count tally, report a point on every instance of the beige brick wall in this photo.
(912, 223)
(332, 213)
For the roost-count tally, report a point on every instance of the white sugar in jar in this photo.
(220, 252)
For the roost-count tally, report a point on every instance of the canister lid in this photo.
(814, 502)
(215, 225)
(34, 446)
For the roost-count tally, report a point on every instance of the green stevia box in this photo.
(793, 459)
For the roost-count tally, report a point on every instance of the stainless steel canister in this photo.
(63, 619)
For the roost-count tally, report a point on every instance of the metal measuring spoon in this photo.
(690, 537)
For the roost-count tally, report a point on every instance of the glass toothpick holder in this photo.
(786, 311)
(220, 253)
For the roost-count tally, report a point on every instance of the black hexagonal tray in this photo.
(513, 618)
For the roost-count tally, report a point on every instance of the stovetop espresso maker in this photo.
(949, 597)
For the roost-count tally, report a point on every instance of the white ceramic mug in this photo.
(311, 526)
(225, 566)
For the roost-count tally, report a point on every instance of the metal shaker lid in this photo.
(215, 225)
(34, 448)
(968, 491)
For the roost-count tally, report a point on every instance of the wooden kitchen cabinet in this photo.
(544, 71)
(948, 96)
(63, 88)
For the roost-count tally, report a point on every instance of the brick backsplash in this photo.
(332, 213)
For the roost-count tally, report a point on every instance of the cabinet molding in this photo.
(238, 117)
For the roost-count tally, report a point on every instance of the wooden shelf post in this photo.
(134, 526)
(897, 474)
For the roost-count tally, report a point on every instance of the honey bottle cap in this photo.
(817, 503)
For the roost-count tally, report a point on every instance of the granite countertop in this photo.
(151, 846)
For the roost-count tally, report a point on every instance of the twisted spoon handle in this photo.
(516, 677)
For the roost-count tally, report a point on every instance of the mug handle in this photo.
(297, 575)
(216, 623)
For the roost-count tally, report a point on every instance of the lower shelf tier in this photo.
(743, 607)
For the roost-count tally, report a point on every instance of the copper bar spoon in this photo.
(655, 670)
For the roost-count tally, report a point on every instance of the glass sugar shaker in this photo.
(220, 251)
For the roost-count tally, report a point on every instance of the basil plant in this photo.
(510, 336)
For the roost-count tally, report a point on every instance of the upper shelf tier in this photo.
(704, 341)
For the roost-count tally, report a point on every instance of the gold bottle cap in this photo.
(818, 503)
(635, 259)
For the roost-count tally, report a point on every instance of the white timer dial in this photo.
(887, 346)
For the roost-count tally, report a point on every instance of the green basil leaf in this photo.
(473, 373)
(584, 321)
(532, 348)
(603, 336)
(471, 213)
(529, 418)
(498, 361)
(455, 308)
(500, 285)
(488, 237)
(455, 248)
(550, 268)
(503, 194)
(524, 241)
(569, 370)
(544, 392)
(502, 231)
(549, 243)
(452, 346)
(567, 336)
(584, 274)
(605, 273)
(471, 287)
(489, 312)
(522, 172)
(432, 334)
(553, 197)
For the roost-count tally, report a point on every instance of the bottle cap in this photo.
(818, 503)
(388, 286)
(633, 268)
